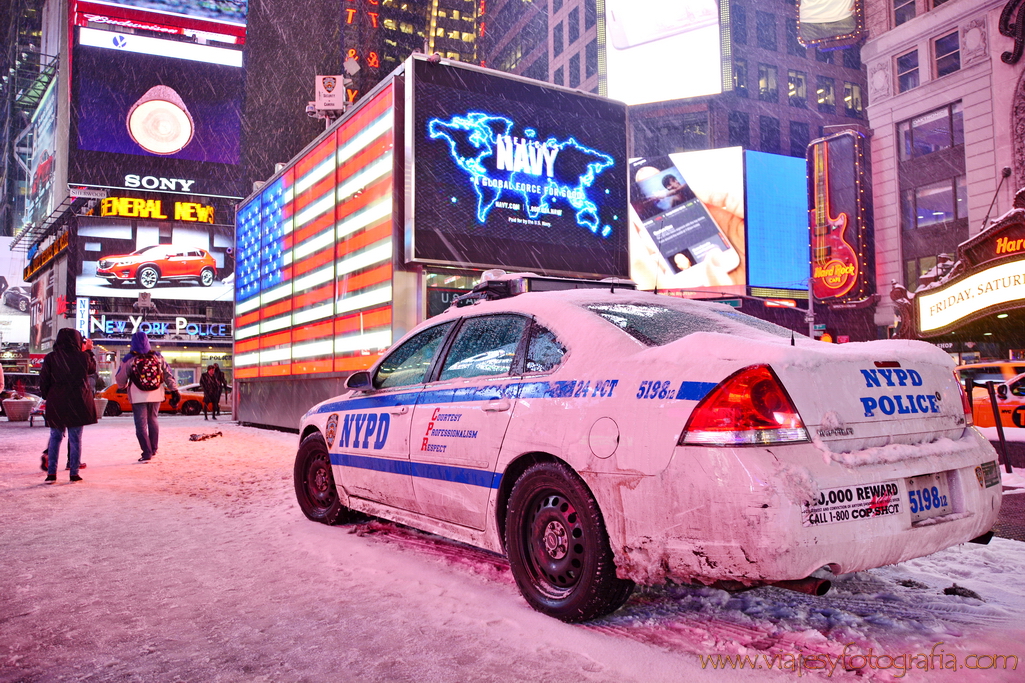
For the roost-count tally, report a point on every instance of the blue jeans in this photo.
(146, 428)
(74, 453)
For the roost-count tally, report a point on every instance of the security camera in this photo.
(311, 110)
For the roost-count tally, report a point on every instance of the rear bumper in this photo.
(741, 513)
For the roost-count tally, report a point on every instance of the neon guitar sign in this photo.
(834, 262)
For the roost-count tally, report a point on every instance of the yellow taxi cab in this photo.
(1010, 396)
(118, 402)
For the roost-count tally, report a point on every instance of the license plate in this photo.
(928, 496)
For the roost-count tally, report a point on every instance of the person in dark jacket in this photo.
(64, 381)
(211, 391)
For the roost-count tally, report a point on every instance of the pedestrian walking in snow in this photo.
(211, 391)
(145, 373)
(64, 382)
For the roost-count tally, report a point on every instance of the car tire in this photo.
(23, 305)
(558, 547)
(206, 277)
(113, 409)
(315, 484)
(147, 277)
(192, 408)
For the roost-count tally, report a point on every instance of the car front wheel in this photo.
(23, 305)
(315, 484)
(558, 547)
(206, 277)
(148, 276)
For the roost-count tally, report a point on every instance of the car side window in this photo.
(484, 346)
(1018, 388)
(544, 351)
(408, 364)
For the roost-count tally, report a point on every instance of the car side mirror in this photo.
(358, 380)
(1002, 391)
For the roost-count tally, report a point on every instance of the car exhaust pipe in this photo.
(810, 585)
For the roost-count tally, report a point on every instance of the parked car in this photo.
(18, 297)
(1010, 396)
(606, 437)
(148, 266)
(118, 402)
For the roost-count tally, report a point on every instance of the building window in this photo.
(768, 88)
(739, 125)
(931, 132)
(799, 139)
(852, 57)
(937, 3)
(797, 87)
(591, 59)
(794, 46)
(573, 25)
(740, 77)
(558, 77)
(907, 71)
(916, 268)
(765, 30)
(574, 71)
(556, 6)
(852, 101)
(738, 17)
(940, 202)
(768, 130)
(825, 95)
(824, 56)
(948, 54)
(557, 40)
(903, 10)
(590, 13)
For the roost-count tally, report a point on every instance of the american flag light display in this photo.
(313, 279)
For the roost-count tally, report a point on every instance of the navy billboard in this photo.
(513, 174)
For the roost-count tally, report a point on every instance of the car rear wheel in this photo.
(558, 548)
(148, 276)
(315, 484)
(113, 409)
(206, 277)
(192, 408)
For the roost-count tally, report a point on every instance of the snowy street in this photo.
(199, 566)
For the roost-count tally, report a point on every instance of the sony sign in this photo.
(149, 182)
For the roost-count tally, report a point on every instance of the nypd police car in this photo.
(602, 437)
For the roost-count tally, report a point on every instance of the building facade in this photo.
(946, 114)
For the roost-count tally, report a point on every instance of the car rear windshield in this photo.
(655, 325)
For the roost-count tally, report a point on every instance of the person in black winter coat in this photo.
(211, 391)
(64, 381)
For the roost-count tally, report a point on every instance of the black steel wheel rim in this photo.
(319, 485)
(556, 547)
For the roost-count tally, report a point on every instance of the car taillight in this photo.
(748, 408)
(966, 402)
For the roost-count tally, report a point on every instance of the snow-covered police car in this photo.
(601, 436)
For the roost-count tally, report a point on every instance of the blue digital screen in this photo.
(777, 221)
(517, 175)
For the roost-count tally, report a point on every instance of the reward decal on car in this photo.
(847, 503)
(891, 402)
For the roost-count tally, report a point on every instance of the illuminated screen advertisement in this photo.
(223, 11)
(777, 221)
(661, 50)
(687, 226)
(15, 296)
(313, 286)
(139, 113)
(841, 244)
(39, 194)
(168, 260)
(830, 23)
(515, 175)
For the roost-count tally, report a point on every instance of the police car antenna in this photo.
(792, 338)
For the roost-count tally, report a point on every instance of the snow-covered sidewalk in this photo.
(199, 566)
